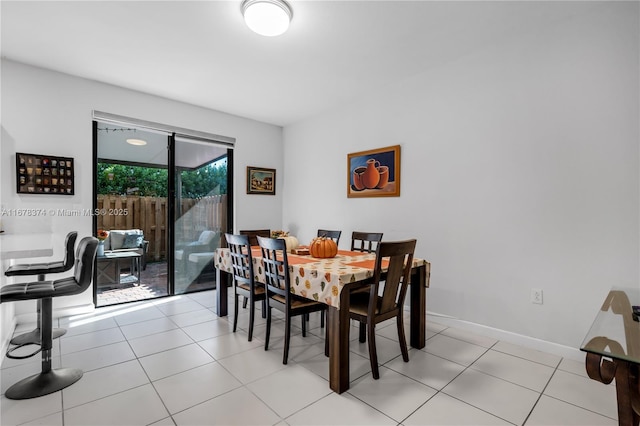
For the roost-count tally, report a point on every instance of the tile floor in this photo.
(173, 361)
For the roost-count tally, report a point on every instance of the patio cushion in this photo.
(201, 258)
(132, 241)
(206, 237)
(116, 239)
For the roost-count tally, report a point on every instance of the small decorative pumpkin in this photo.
(291, 242)
(323, 248)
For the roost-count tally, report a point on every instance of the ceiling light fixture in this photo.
(267, 17)
(136, 142)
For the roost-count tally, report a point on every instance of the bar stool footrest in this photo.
(10, 351)
(33, 336)
(44, 383)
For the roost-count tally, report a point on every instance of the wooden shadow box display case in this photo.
(44, 174)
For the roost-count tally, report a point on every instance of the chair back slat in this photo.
(276, 265)
(241, 259)
(367, 242)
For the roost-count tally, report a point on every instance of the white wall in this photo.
(519, 170)
(46, 112)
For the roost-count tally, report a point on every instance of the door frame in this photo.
(171, 132)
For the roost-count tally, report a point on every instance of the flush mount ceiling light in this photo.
(136, 142)
(267, 17)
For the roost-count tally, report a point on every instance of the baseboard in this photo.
(7, 334)
(510, 337)
(66, 311)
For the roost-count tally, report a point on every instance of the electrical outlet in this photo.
(536, 296)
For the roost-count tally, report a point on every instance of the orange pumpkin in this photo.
(323, 248)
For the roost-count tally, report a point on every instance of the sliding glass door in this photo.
(201, 207)
(132, 208)
(163, 197)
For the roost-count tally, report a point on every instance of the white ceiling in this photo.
(112, 145)
(200, 52)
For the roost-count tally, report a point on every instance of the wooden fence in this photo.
(150, 215)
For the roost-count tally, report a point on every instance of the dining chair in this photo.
(371, 308)
(41, 269)
(253, 233)
(244, 278)
(279, 295)
(365, 241)
(334, 235)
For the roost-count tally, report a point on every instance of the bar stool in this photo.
(49, 380)
(41, 269)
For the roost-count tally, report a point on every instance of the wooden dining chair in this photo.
(253, 233)
(244, 279)
(279, 295)
(365, 241)
(370, 308)
(334, 235)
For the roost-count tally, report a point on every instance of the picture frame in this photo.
(44, 174)
(374, 173)
(261, 180)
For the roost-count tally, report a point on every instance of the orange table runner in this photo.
(369, 264)
(350, 253)
(299, 260)
(292, 258)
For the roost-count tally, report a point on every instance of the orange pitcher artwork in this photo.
(374, 173)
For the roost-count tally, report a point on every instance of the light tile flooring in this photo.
(173, 361)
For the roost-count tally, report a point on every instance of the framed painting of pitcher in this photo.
(374, 173)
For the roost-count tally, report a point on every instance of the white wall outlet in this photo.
(536, 296)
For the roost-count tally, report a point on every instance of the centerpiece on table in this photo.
(101, 235)
(323, 248)
(290, 242)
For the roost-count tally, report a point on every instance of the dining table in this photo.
(331, 281)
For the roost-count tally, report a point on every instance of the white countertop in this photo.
(22, 246)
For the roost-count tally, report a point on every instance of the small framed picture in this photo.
(261, 180)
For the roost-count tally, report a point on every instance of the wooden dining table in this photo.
(331, 281)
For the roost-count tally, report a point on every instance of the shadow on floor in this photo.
(153, 283)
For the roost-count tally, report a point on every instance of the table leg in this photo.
(137, 265)
(222, 279)
(418, 305)
(627, 376)
(103, 276)
(117, 271)
(338, 323)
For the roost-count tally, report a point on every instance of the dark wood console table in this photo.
(613, 351)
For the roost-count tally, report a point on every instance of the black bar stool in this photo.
(41, 269)
(49, 380)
